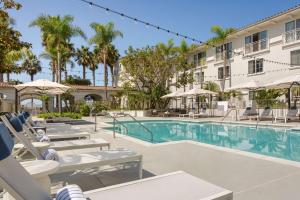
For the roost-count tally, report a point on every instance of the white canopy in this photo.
(171, 95)
(42, 85)
(286, 82)
(198, 91)
(251, 85)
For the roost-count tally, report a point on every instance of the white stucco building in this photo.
(264, 51)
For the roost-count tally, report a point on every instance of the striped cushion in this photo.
(70, 192)
(6, 142)
(16, 123)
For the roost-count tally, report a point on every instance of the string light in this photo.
(136, 20)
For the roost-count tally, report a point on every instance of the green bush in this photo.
(55, 114)
(99, 106)
(84, 110)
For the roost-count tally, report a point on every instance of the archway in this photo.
(92, 97)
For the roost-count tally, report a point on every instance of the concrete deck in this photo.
(249, 176)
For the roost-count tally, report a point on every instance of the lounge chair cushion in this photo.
(50, 154)
(70, 192)
(26, 114)
(22, 118)
(16, 123)
(6, 142)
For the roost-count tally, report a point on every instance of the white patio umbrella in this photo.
(197, 91)
(286, 82)
(42, 85)
(251, 85)
(172, 95)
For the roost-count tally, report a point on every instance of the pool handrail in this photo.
(134, 119)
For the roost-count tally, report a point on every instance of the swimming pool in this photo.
(271, 141)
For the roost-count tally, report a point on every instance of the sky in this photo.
(190, 17)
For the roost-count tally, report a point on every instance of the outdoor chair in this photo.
(248, 113)
(71, 160)
(21, 185)
(292, 114)
(266, 114)
(12, 124)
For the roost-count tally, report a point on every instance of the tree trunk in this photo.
(83, 72)
(58, 77)
(1, 77)
(112, 76)
(7, 77)
(105, 74)
(94, 79)
(31, 78)
(66, 73)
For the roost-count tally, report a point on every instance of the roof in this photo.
(6, 85)
(87, 87)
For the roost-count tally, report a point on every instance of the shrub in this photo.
(55, 114)
(84, 109)
(99, 106)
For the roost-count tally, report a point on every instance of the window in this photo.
(221, 72)
(255, 66)
(256, 42)
(195, 60)
(251, 95)
(219, 51)
(292, 32)
(199, 77)
(295, 57)
(201, 58)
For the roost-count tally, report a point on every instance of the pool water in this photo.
(277, 142)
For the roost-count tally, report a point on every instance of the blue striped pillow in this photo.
(70, 192)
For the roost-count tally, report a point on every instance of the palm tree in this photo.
(184, 65)
(31, 64)
(104, 36)
(220, 39)
(93, 65)
(83, 57)
(112, 58)
(57, 32)
(10, 65)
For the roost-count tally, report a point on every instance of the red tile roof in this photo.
(6, 85)
(87, 87)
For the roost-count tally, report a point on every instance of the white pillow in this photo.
(43, 138)
(50, 154)
(70, 192)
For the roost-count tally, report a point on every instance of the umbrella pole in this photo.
(16, 100)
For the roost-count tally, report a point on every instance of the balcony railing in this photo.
(291, 36)
(256, 46)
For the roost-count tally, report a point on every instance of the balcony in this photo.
(256, 46)
(291, 36)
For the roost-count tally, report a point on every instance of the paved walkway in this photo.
(248, 177)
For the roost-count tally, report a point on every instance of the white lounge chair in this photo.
(58, 145)
(266, 114)
(292, 114)
(248, 113)
(71, 160)
(174, 186)
(56, 135)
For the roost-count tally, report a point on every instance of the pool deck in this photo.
(249, 176)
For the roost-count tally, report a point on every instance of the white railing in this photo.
(291, 36)
(256, 46)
